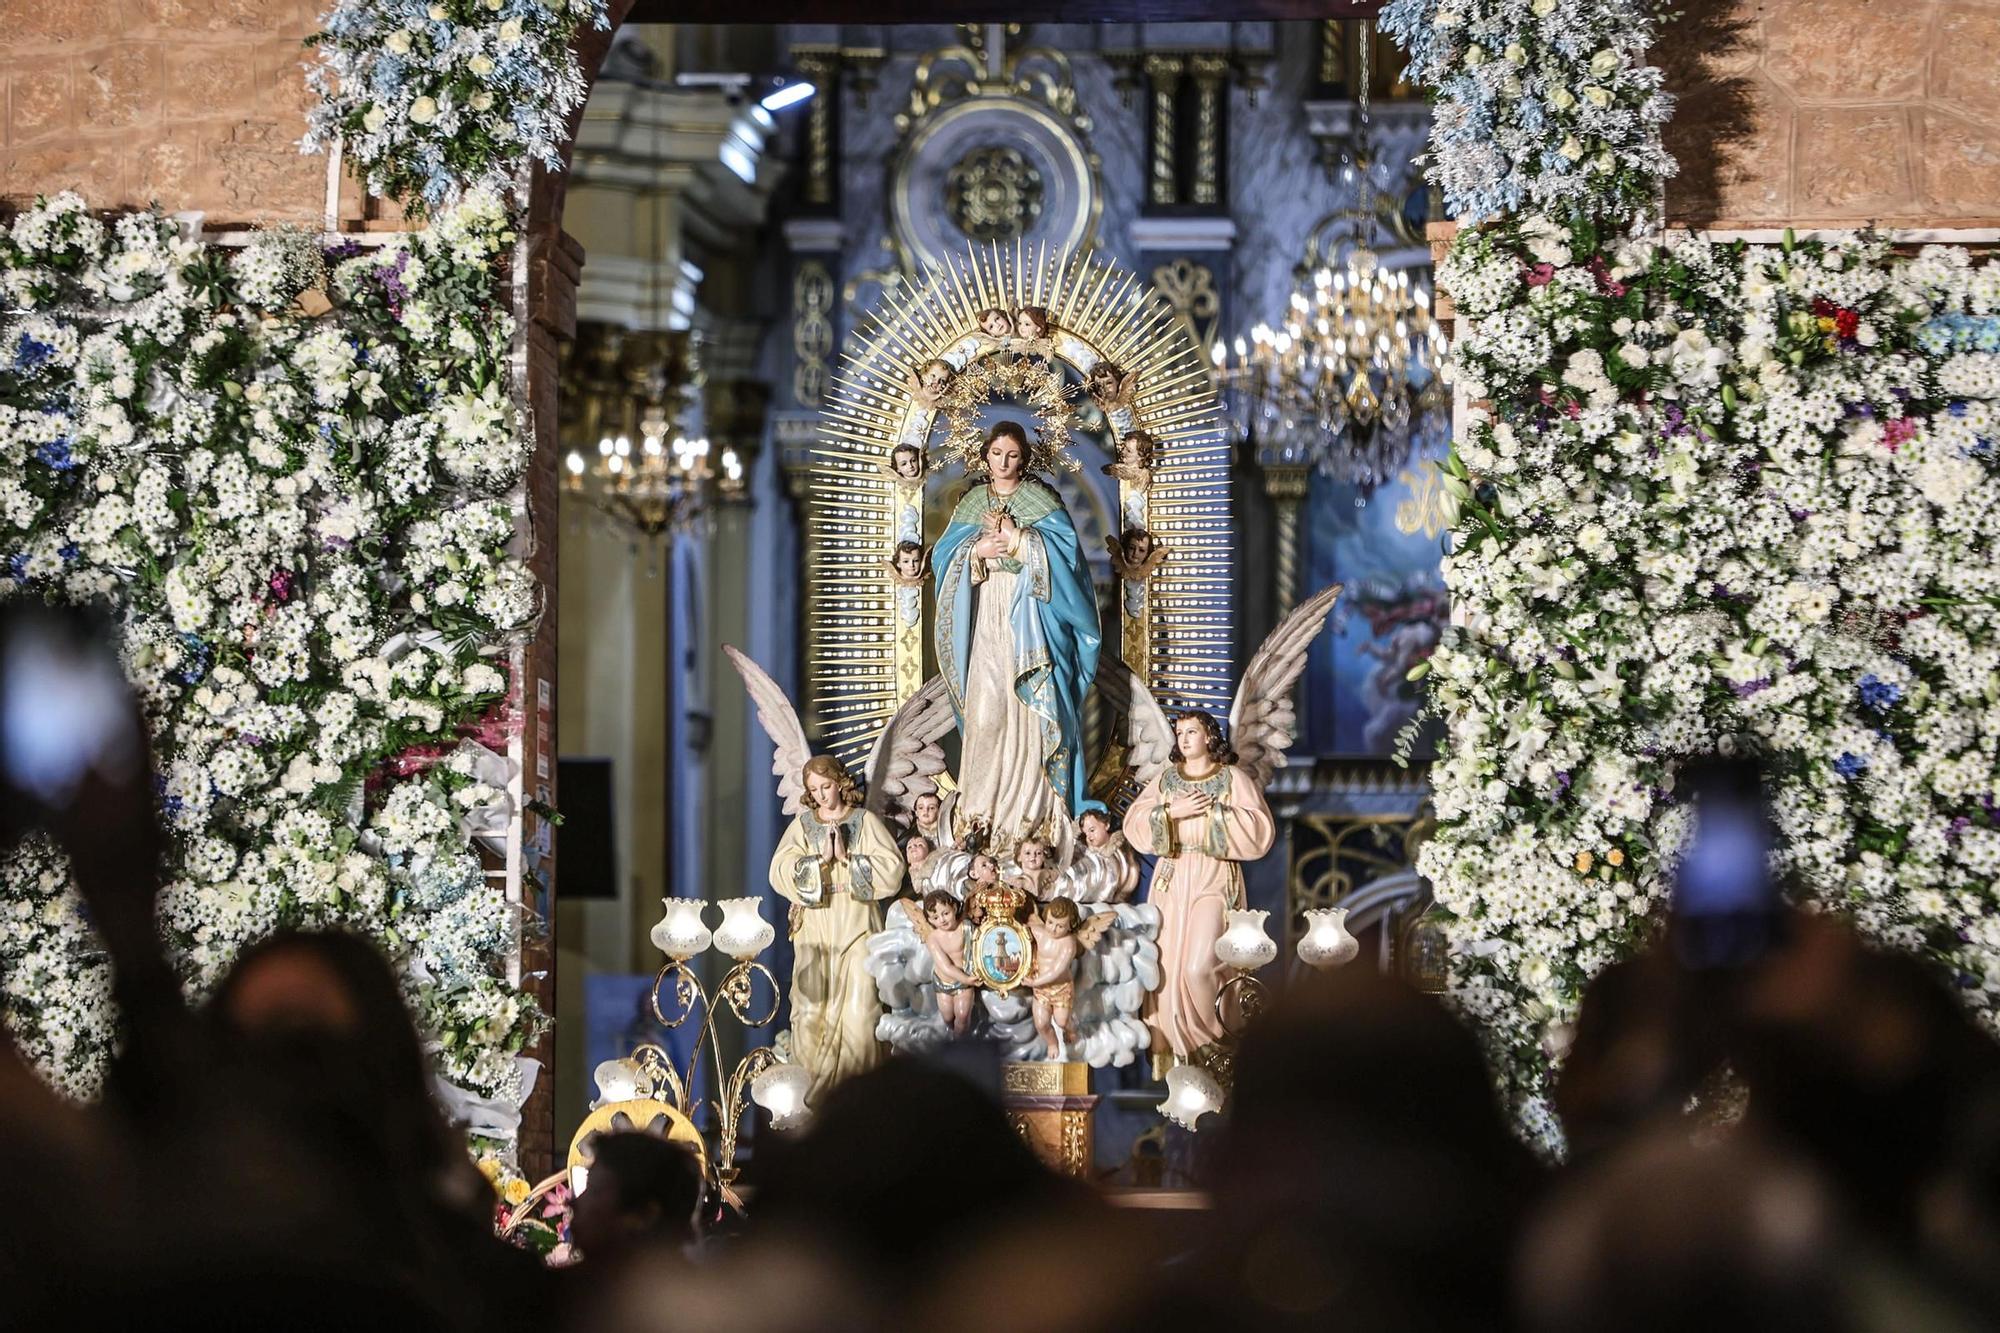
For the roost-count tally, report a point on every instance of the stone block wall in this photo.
(1802, 112)
(194, 104)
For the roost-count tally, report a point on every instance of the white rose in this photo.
(510, 32)
(424, 110)
(437, 13)
(1572, 147)
(480, 101)
(1633, 355)
(1543, 8)
(481, 65)
(1597, 97)
(1516, 54)
(1604, 62)
(1476, 56)
(374, 118)
(399, 41)
(1562, 99)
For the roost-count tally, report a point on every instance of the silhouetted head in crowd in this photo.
(316, 1021)
(899, 1165)
(642, 1192)
(1863, 1061)
(1666, 1235)
(1366, 1168)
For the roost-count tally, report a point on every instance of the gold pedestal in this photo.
(1051, 1107)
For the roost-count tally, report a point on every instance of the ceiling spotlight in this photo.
(789, 94)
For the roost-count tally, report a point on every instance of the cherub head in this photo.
(1060, 916)
(1136, 449)
(926, 808)
(907, 460)
(1032, 321)
(910, 559)
(1198, 735)
(829, 786)
(984, 869)
(1103, 381)
(1033, 855)
(1095, 825)
(917, 851)
(994, 323)
(935, 374)
(1136, 545)
(942, 910)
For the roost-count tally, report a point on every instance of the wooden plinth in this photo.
(1051, 1107)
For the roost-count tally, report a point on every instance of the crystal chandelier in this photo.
(646, 476)
(1338, 382)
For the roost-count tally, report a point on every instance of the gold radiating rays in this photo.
(860, 666)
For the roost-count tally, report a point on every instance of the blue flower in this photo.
(31, 353)
(1849, 765)
(56, 454)
(1878, 694)
(17, 567)
(196, 657)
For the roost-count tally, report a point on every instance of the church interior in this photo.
(777, 665)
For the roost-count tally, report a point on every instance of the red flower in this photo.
(1845, 322)
(1822, 307)
(1541, 275)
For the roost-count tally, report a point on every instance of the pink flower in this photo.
(1894, 433)
(281, 585)
(1541, 275)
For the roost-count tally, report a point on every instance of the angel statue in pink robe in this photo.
(1202, 813)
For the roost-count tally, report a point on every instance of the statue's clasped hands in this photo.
(1001, 536)
(1190, 805)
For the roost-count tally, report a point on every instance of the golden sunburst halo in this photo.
(1089, 314)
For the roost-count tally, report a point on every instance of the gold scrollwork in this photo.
(1190, 290)
(812, 331)
(1423, 510)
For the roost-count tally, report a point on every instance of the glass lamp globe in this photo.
(617, 1081)
(781, 1090)
(1245, 944)
(744, 933)
(1192, 1093)
(681, 934)
(1327, 941)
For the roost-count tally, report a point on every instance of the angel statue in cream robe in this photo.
(1202, 812)
(838, 864)
(1017, 641)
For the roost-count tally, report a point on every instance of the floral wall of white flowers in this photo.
(288, 470)
(1711, 495)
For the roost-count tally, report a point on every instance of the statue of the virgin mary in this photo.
(1017, 640)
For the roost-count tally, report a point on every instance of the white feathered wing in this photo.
(1263, 721)
(781, 724)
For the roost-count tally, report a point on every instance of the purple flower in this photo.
(1849, 765)
(1744, 689)
(56, 455)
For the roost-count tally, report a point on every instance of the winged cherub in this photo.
(1202, 812)
(930, 382)
(940, 924)
(1062, 937)
(1111, 386)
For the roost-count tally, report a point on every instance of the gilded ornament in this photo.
(994, 194)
